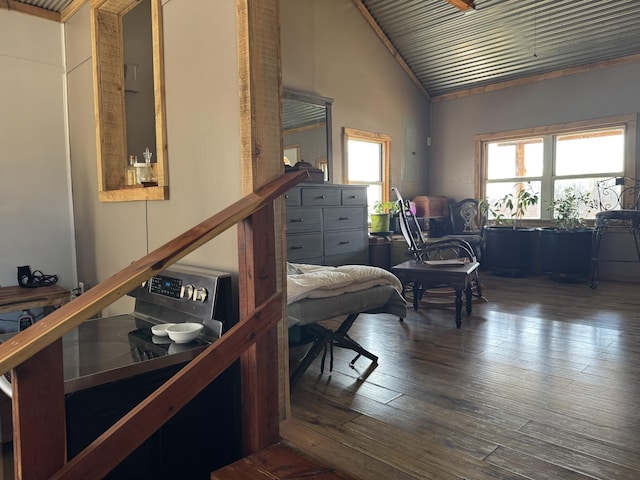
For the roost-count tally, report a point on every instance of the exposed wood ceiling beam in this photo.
(463, 5)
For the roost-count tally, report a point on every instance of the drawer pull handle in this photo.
(297, 220)
(352, 196)
(321, 197)
(344, 242)
(343, 218)
(296, 248)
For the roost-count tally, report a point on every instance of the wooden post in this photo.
(38, 414)
(261, 259)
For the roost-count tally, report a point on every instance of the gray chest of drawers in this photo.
(327, 224)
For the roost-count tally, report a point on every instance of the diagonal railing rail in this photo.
(38, 442)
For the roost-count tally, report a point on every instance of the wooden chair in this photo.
(467, 223)
(424, 250)
(619, 202)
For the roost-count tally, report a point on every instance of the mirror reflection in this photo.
(138, 81)
(307, 130)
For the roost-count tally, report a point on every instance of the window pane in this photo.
(365, 161)
(590, 152)
(520, 158)
(497, 190)
(580, 185)
(374, 194)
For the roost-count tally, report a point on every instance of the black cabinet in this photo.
(202, 437)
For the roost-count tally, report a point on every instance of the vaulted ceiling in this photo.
(505, 40)
(448, 51)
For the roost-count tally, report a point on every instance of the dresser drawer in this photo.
(292, 198)
(352, 196)
(344, 218)
(303, 246)
(320, 196)
(303, 220)
(340, 242)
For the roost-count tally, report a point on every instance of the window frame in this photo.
(380, 138)
(627, 122)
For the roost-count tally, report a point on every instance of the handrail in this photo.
(113, 446)
(52, 327)
(134, 428)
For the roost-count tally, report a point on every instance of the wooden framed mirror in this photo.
(108, 30)
(306, 122)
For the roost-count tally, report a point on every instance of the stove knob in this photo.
(200, 294)
(186, 291)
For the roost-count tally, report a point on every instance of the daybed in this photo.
(318, 293)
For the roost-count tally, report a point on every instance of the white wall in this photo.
(35, 209)
(329, 49)
(203, 134)
(591, 95)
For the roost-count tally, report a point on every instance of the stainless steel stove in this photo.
(112, 348)
(112, 363)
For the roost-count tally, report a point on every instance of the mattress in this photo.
(318, 293)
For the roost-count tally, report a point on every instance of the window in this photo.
(555, 157)
(367, 163)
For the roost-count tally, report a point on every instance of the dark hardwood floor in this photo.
(542, 382)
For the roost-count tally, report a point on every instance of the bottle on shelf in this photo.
(144, 171)
(130, 176)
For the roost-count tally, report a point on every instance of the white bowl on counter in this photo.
(161, 329)
(184, 332)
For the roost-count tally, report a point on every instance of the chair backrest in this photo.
(465, 216)
(618, 193)
(410, 227)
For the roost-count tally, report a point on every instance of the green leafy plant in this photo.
(385, 207)
(570, 208)
(513, 206)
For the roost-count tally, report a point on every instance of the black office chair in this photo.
(619, 202)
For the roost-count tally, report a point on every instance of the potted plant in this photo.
(380, 219)
(508, 246)
(565, 249)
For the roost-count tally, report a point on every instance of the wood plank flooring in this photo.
(540, 383)
(277, 462)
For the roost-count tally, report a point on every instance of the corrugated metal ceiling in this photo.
(53, 5)
(503, 40)
(500, 40)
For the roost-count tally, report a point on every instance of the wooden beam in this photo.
(39, 433)
(261, 261)
(71, 9)
(30, 10)
(462, 5)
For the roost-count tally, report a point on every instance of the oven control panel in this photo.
(168, 286)
(183, 293)
(175, 288)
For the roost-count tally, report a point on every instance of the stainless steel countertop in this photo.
(108, 349)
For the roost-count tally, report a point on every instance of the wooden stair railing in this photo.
(35, 355)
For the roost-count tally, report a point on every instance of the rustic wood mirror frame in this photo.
(108, 74)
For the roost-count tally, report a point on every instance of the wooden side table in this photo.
(16, 298)
(424, 276)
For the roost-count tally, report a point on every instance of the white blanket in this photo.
(318, 281)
